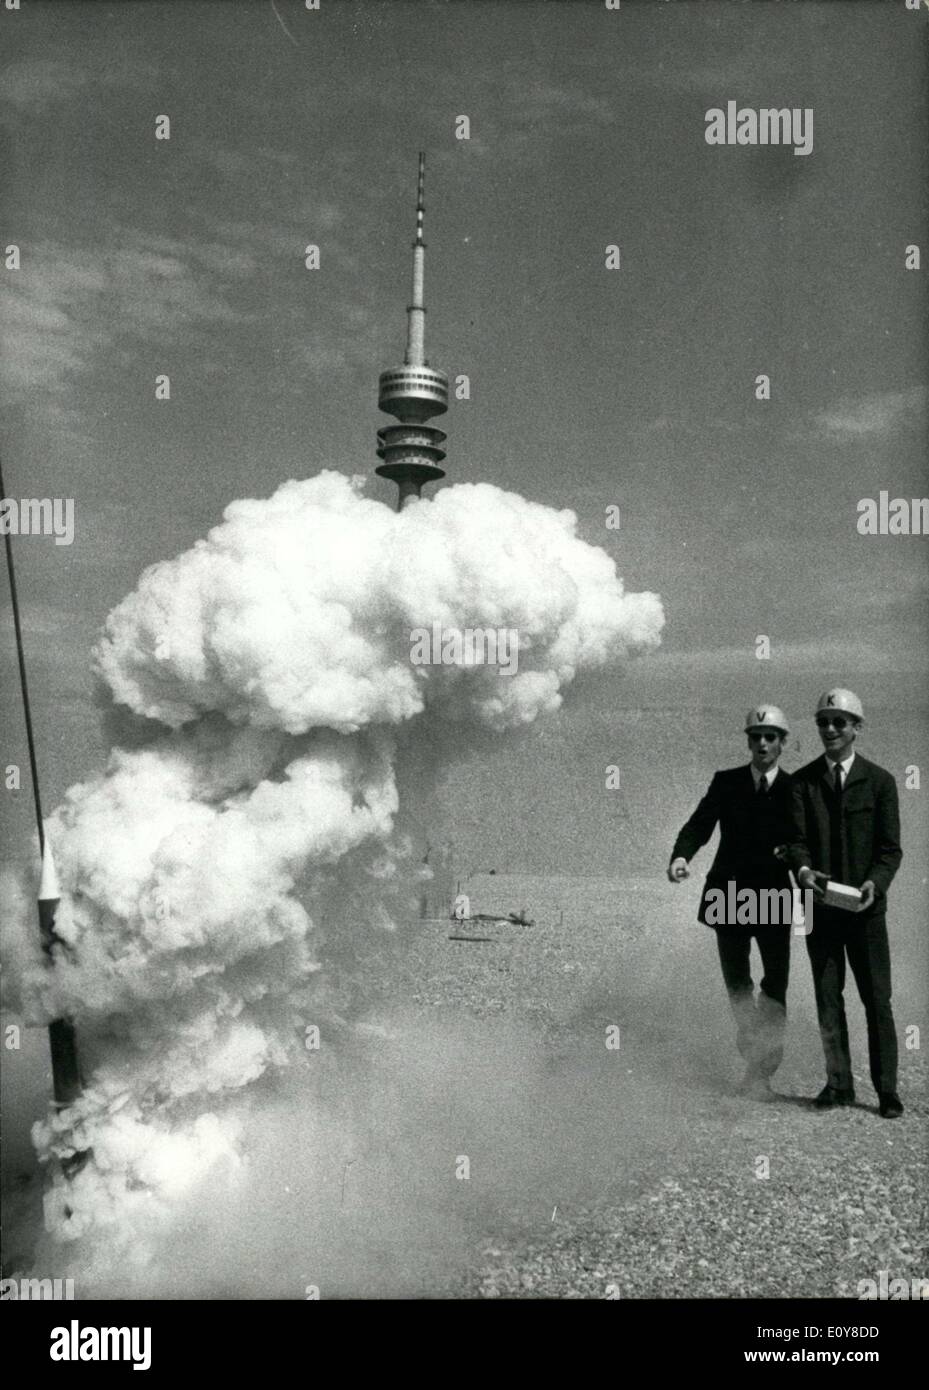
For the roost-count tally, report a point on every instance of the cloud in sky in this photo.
(32, 85)
(872, 417)
(68, 306)
(793, 658)
(57, 643)
(40, 621)
(239, 163)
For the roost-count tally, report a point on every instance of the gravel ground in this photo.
(843, 1201)
(717, 1196)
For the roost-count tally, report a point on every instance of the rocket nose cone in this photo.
(48, 884)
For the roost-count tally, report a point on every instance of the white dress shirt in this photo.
(845, 765)
(769, 775)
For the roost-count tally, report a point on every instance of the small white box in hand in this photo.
(841, 895)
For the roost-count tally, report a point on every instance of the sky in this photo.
(589, 387)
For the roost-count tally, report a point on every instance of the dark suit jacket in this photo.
(871, 825)
(750, 826)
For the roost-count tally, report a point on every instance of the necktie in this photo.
(836, 837)
(762, 788)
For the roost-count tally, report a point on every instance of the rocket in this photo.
(66, 1075)
(412, 451)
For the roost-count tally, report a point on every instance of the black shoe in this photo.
(891, 1106)
(834, 1095)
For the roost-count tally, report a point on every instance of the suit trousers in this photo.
(759, 1027)
(835, 935)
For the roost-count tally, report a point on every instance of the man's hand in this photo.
(814, 880)
(867, 895)
(678, 870)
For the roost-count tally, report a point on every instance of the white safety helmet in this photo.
(766, 717)
(838, 699)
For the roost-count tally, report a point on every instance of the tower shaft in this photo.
(415, 355)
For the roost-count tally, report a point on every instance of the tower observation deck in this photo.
(412, 450)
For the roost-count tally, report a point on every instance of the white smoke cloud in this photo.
(207, 877)
(296, 612)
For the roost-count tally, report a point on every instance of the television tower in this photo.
(412, 451)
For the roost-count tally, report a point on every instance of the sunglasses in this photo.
(757, 737)
(836, 721)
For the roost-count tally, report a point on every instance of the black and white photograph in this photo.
(465, 637)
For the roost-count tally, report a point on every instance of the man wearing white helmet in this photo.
(846, 828)
(751, 804)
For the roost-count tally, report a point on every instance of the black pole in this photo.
(17, 626)
(67, 1082)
